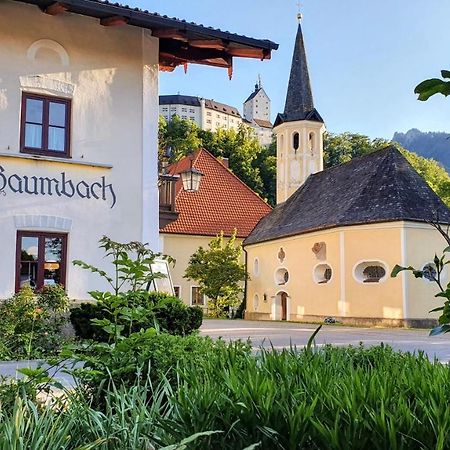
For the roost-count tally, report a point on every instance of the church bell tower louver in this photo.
(299, 130)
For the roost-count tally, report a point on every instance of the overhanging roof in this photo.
(181, 42)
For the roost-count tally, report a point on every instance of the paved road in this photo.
(282, 334)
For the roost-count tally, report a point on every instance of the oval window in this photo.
(281, 276)
(296, 141)
(256, 302)
(322, 273)
(256, 267)
(370, 272)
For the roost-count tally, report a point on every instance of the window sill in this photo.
(54, 159)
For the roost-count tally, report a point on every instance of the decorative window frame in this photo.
(277, 277)
(326, 265)
(371, 262)
(41, 235)
(44, 151)
(256, 267)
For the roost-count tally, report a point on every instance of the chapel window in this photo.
(370, 272)
(45, 125)
(41, 259)
(323, 273)
(296, 141)
(281, 276)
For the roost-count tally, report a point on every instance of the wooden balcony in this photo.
(167, 193)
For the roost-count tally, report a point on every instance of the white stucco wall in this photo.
(111, 75)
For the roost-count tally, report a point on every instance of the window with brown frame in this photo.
(40, 259)
(197, 298)
(45, 125)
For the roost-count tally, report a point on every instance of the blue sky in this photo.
(365, 57)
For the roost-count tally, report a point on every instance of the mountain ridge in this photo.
(429, 144)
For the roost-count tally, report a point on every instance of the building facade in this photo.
(257, 114)
(78, 133)
(330, 244)
(207, 114)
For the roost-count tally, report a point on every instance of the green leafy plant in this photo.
(166, 312)
(31, 323)
(219, 273)
(433, 86)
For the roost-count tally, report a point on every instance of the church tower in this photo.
(299, 130)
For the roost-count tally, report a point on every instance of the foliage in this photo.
(145, 355)
(341, 148)
(31, 323)
(255, 164)
(166, 312)
(433, 86)
(335, 398)
(227, 398)
(219, 272)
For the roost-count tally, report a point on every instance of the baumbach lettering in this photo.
(60, 186)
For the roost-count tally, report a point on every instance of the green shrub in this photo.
(31, 323)
(146, 355)
(167, 312)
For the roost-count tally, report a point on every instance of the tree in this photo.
(341, 148)
(219, 272)
(181, 135)
(434, 86)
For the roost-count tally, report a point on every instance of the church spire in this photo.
(299, 99)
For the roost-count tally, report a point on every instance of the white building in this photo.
(207, 114)
(257, 114)
(78, 130)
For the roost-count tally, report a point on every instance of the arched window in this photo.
(312, 142)
(281, 276)
(322, 273)
(296, 141)
(370, 272)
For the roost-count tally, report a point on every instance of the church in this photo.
(328, 248)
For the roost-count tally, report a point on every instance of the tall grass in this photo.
(334, 398)
(338, 398)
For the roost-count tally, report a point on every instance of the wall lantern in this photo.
(191, 179)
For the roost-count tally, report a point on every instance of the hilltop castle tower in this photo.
(299, 130)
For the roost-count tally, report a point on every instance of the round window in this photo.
(281, 276)
(322, 273)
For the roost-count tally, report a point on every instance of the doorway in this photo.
(283, 299)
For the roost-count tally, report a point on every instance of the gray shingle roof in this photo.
(299, 99)
(379, 187)
(179, 100)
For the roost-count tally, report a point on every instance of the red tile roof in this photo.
(222, 203)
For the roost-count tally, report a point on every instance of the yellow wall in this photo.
(181, 247)
(422, 242)
(344, 295)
